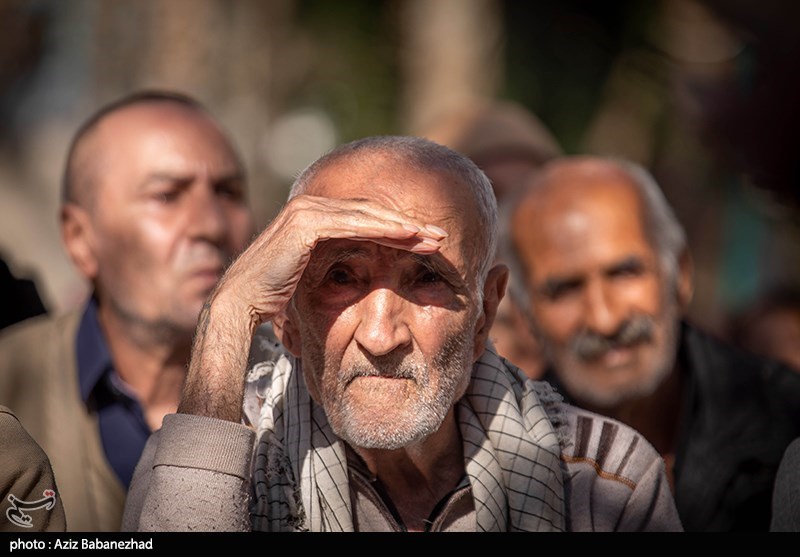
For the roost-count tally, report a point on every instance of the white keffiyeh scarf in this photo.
(511, 453)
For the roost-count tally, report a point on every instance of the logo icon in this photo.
(16, 514)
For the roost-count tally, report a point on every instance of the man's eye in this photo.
(627, 271)
(429, 277)
(340, 276)
(562, 290)
(229, 191)
(166, 196)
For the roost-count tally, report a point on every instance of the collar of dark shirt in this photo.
(95, 364)
(94, 356)
(97, 377)
(356, 464)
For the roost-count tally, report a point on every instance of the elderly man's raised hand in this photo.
(261, 282)
(263, 279)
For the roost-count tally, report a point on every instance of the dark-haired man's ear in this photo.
(493, 291)
(77, 233)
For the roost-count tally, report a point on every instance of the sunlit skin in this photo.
(594, 277)
(377, 308)
(163, 215)
(370, 279)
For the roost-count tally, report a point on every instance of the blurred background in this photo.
(705, 93)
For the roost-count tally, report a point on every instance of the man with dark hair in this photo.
(153, 210)
(387, 411)
(601, 267)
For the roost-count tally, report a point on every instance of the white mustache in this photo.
(401, 371)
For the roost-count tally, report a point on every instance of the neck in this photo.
(417, 477)
(153, 366)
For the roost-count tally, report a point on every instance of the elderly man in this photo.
(601, 265)
(388, 412)
(153, 211)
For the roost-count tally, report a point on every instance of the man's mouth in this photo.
(210, 273)
(380, 374)
(616, 357)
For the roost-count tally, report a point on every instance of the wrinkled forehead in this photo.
(435, 196)
(388, 259)
(431, 196)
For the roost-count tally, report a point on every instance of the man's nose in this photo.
(207, 216)
(382, 326)
(603, 313)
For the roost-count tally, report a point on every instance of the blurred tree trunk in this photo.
(451, 54)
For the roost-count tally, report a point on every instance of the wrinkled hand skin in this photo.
(260, 283)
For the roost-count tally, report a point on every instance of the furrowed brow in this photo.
(632, 263)
(328, 258)
(437, 264)
(551, 286)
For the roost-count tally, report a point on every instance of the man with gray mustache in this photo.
(600, 266)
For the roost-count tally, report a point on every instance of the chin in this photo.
(622, 387)
(386, 436)
(190, 312)
(186, 321)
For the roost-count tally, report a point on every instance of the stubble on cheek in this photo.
(320, 363)
(408, 398)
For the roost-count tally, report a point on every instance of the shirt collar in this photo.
(94, 357)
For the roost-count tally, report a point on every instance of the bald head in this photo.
(87, 154)
(420, 155)
(572, 185)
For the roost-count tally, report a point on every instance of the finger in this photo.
(414, 244)
(371, 213)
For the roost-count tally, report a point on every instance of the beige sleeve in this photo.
(30, 499)
(617, 481)
(194, 475)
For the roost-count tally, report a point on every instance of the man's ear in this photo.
(287, 333)
(685, 279)
(493, 291)
(77, 234)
